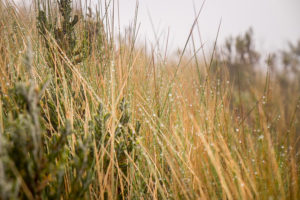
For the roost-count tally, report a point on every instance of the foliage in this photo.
(111, 121)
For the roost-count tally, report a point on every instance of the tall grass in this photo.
(87, 115)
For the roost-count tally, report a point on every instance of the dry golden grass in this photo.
(200, 137)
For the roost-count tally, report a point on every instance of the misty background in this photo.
(274, 22)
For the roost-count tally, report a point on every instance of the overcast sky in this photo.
(274, 21)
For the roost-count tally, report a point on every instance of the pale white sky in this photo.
(274, 21)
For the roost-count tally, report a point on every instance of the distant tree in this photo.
(240, 57)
